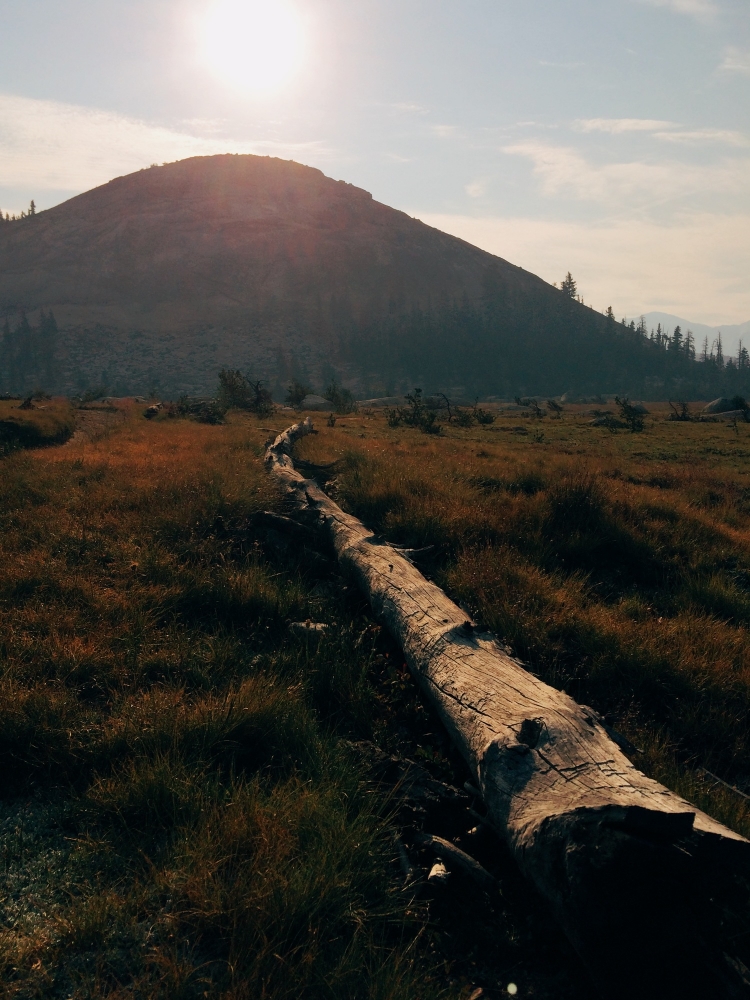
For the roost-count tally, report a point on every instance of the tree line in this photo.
(24, 215)
(548, 342)
(28, 354)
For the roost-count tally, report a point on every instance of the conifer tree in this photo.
(743, 358)
(690, 345)
(6, 355)
(568, 286)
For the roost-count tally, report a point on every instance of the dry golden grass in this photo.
(617, 565)
(179, 817)
(50, 422)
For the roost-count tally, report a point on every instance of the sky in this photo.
(610, 138)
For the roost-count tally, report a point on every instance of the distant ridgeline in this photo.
(540, 346)
(28, 355)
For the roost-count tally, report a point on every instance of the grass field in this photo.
(616, 565)
(184, 813)
(50, 422)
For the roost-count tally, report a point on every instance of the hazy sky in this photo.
(608, 137)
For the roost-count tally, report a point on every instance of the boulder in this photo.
(381, 401)
(313, 402)
(721, 405)
(733, 415)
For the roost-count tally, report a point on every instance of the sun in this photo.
(254, 45)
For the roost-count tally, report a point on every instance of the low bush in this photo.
(240, 392)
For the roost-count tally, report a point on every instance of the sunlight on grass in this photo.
(171, 750)
(616, 565)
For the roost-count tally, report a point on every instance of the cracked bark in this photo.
(639, 878)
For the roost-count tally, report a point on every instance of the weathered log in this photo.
(638, 877)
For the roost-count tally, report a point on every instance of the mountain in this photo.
(731, 335)
(159, 279)
(175, 271)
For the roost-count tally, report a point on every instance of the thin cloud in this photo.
(616, 126)
(668, 131)
(702, 10)
(444, 131)
(736, 61)
(560, 65)
(695, 266)
(65, 147)
(706, 135)
(476, 189)
(622, 187)
(407, 107)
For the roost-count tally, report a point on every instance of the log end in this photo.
(639, 889)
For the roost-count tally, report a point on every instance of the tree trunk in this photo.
(642, 882)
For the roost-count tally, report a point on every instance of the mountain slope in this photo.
(257, 251)
(160, 278)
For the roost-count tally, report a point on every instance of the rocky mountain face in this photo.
(170, 273)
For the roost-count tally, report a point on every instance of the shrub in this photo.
(239, 392)
(342, 399)
(416, 414)
(296, 392)
(632, 417)
(205, 411)
(483, 416)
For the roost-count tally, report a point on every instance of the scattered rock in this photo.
(313, 402)
(381, 401)
(732, 415)
(720, 405)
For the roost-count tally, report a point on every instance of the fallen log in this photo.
(642, 882)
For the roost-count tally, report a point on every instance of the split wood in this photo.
(640, 879)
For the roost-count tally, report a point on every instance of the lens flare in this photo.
(253, 45)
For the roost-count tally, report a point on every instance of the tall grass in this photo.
(616, 566)
(47, 424)
(180, 816)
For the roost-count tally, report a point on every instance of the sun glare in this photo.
(254, 45)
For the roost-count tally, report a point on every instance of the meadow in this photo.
(615, 565)
(186, 811)
(49, 422)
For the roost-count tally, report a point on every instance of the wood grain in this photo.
(637, 876)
